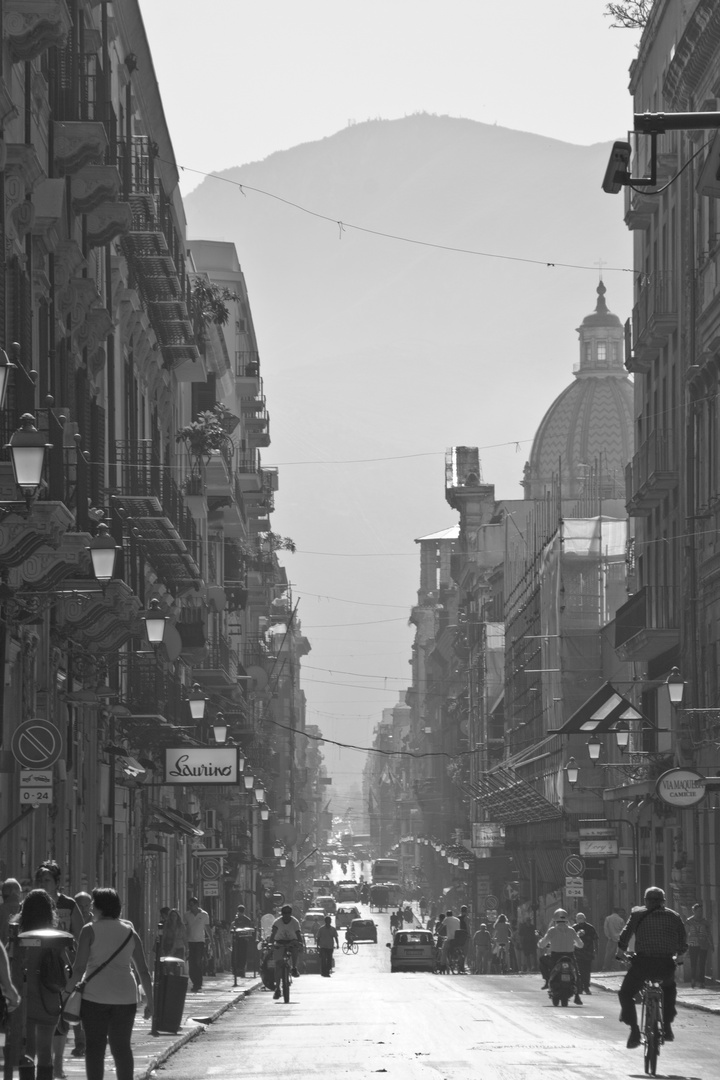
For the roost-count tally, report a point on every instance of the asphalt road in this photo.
(364, 1022)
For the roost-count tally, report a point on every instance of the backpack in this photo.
(52, 972)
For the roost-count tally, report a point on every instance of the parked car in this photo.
(412, 950)
(312, 920)
(345, 914)
(363, 930)
(327, 903)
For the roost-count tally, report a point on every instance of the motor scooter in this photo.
(562, 981)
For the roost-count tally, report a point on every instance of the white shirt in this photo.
(286, 931)
(196, 924)
(452, 925)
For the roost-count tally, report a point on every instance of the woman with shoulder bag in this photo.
(107, 948)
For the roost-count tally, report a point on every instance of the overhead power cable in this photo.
(343, 226)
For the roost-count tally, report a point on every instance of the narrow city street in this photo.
(365, 1021)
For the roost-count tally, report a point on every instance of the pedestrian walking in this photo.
(108, 950)
(241, 942)
(612, 928)
(84, 902)
(527, 942)
(197, 929)
(482, 946)
(326, 940)
(42, 1002)
(10, 907)
(700, 943)
(69, 919)
(584, 957)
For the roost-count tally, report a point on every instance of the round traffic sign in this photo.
(574, 866)
(36, 744)
(210, 869)
(491, 902)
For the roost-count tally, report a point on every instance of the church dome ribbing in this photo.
(588, 429)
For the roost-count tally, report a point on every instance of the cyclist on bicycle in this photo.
(452, 925)
(562, 940)
(659, 937)
(285, 930)
(501, 934)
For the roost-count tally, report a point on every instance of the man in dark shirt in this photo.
(584, 956)
(659, 937)
(326, 939)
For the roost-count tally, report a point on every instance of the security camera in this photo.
(617, 173)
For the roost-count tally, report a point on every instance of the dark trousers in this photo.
(698, 958)
(239, 955)
(196, 952)
(584, 966)
(103, 1024)
(325, 962)
(660, 968)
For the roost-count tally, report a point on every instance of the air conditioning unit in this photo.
(211, 819)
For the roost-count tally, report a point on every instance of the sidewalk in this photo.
(704, 999)
(218, 995)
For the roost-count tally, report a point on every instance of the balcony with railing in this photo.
(156, 254)
(655, 314)
(150, 500)
(652, 474)
(648, 625)
(219, 668)
(633, 363)
(257, 427)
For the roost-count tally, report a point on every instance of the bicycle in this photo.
(283, 974)
(501, 960)
(349, 947)
(455, 958)
(652, 1025)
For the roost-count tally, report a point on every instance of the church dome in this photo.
(586, 437)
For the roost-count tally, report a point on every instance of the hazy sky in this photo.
(241, 79)
(265, 75)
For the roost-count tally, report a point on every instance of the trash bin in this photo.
(244, 951)
(170, 990)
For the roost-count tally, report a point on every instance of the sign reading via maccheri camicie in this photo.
(681, 787)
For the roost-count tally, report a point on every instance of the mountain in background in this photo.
(376, 348)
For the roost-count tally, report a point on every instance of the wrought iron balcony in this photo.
(151, 500)
(648, 625)
(651, 474)
(655, 315)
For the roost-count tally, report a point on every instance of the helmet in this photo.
(560, 915)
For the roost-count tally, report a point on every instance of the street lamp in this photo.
(103, 554)
(260, 793)
(594, 746)
(622, 735)
(155, 622)
(277, 850)
(27, 451)
(219, 729)
(675, 687)
(241, 761)
(572, 771)
(264, 812)
(249, 781)
(197, 701)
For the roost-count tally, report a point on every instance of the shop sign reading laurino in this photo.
(681, 787)
(201, 765)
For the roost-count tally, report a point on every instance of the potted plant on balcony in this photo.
(193, 488)
(208, 434)
(208, 306)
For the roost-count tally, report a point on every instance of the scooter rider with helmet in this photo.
(562, 941)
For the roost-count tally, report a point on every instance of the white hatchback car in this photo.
(412, 950)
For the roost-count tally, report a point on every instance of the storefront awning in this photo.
(600, 713)
(176, 821)
(508, 799)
